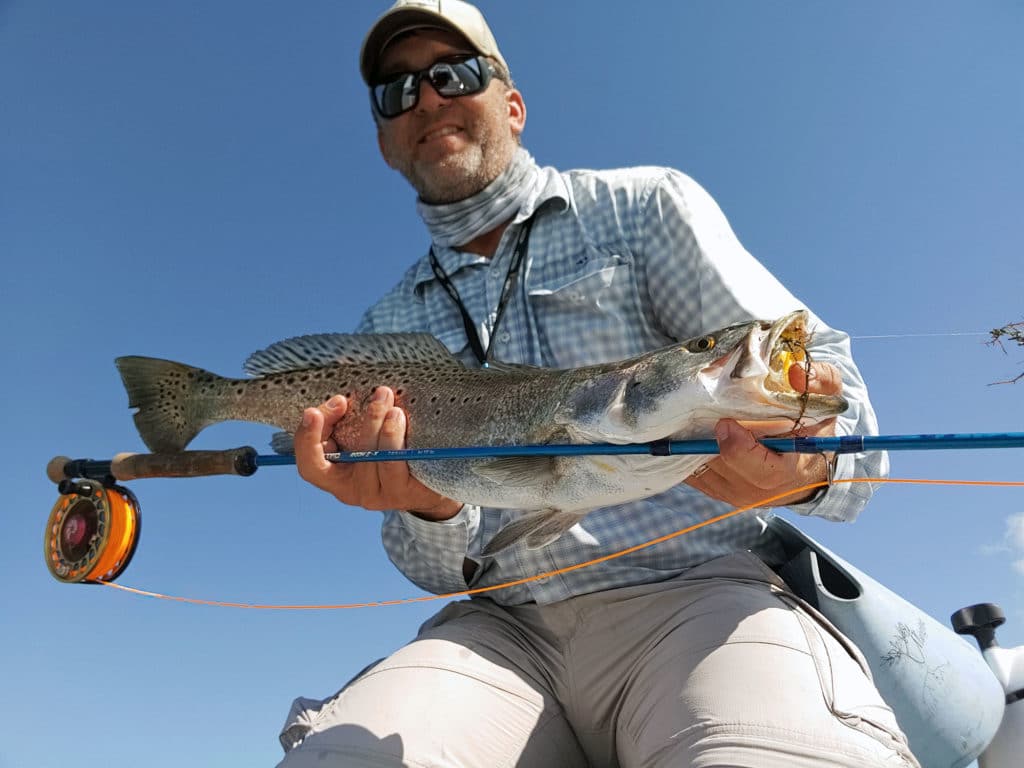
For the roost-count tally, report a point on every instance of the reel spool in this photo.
(92, 532)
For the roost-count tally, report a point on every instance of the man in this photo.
(692, 652)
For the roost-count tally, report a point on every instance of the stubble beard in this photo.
(462, 174)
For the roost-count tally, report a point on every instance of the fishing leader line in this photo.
(920, 335)
(578, 566)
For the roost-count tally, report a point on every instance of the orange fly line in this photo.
(569, 568)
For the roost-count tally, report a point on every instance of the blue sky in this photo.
(197, 180)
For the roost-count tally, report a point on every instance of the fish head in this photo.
(739, 372)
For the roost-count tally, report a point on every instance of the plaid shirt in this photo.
(619, 262)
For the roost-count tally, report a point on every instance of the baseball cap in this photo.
(405, 15)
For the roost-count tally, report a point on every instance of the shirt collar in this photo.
(553, 193)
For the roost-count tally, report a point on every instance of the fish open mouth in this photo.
(785, 344)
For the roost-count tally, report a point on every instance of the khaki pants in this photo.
(721, 666)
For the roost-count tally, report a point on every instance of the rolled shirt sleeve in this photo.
(429, 553)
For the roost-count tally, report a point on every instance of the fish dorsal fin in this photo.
(322, 350)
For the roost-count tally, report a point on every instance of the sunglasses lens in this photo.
(460, 79)
(397, 96)
(449, 79)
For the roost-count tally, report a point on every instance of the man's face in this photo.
(448, 148)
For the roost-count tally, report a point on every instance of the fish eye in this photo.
(703, 344)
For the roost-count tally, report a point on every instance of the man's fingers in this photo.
(819, 379)
(393, 475)
(366, 475)
(309, 448)
(314, 437)
(742, 456)
(746, 472)
(718, 481)
(392, 432)
(333, 411)
(381, 402)
(372, 485)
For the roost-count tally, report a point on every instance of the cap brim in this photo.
(394, 24)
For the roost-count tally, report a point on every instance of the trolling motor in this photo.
(1007, 664)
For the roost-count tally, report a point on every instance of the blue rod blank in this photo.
(840, 444)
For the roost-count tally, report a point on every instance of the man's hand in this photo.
(745, 472)
(372, 485)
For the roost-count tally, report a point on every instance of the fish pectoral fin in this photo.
(518, 471)
(552, 528)
(536, 529)
(679, 467)
(283, 443)
(580, 433)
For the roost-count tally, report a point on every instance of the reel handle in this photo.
(133, 466)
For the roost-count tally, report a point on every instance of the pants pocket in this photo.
(846, 683)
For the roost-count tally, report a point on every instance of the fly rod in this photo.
(245, 461)
(93, 529)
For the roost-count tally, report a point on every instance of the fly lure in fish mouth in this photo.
(792, 347)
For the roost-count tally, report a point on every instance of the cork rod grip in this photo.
(133, 466)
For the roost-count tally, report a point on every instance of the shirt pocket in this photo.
(591, 316)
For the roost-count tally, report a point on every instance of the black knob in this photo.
(980, 621)
(80, 488)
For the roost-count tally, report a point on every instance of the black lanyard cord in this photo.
(518, 255)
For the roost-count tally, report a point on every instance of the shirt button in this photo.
(504, 337)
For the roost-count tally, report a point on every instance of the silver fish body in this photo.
(677, 392)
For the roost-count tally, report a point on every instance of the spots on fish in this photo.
(333, 349)
(499, 407)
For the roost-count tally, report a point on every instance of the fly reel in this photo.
(92, 532)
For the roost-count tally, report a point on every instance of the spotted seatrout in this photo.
(677, 392)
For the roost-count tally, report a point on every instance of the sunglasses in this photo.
(453, 77)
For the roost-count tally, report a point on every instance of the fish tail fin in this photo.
(169, 413)
(537, 529)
